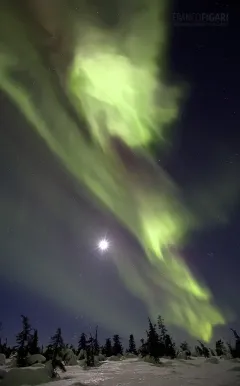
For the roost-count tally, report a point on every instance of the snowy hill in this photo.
(133, 372)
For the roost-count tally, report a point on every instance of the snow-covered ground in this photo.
(132, 372)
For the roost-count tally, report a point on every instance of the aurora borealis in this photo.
(119, 93)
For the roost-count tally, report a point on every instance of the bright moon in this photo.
(103, 245)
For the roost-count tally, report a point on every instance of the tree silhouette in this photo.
(185, 347)
(33, 345)
(236, 350)
(152, 342)
(108, 351)
(96, 343)
(220, 348)
(143, 350)
(82, 343)
(163, 339)
(231, 349)
(132, 345)
(23, 340)
(90, 343)
(199, 351)
(212, 352)
(161, 327)
(117, 348)
(56, 343)
(205, 350)
(170, 350)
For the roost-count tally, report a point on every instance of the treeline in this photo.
(157, 343)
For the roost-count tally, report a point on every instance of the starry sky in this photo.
(44, 216)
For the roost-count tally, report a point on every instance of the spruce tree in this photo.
(220, 348)
(185, 347)
(143, 350)
(152, 341)
(117, 348)
(96, 343)
(48, 352)
(163, 339)
(6, 350)
(56, 343)
(33, 346)
(212, 352)
(82, 343)
(132, 345)
(237, 344)
(199, 351)
(205, 350)
(231, 350)
(162, 328)
(23, 340)
(166, 344)
(108, 351)
(170, 350)
(90, 351)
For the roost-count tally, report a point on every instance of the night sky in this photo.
(45, 217)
